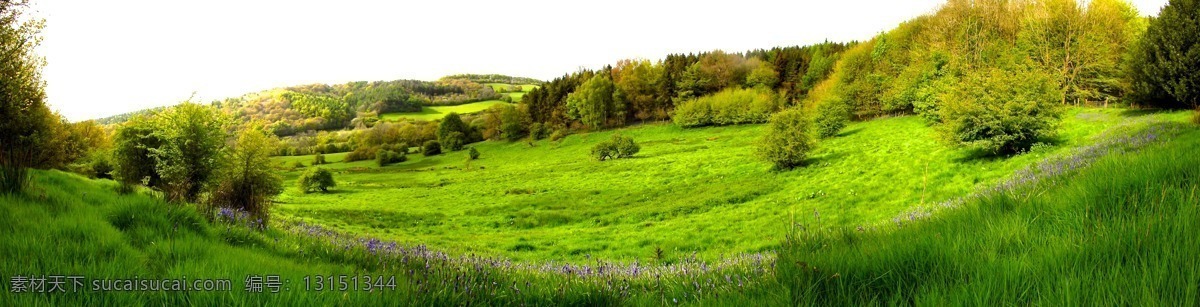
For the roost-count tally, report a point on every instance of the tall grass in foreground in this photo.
(1124, 231)
(68, 225)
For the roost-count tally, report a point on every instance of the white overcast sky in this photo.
(111, 57)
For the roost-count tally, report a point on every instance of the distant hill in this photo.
(300, 108)
(492, 78)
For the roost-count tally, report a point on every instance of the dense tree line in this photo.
(635, 90)
(994, 75)
(492, 78)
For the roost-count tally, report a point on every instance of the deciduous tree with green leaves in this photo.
(1165, 64)
(245, 181)
(24, 118)
(594, 104)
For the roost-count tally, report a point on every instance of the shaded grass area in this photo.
(1124, 231)
(689, 191)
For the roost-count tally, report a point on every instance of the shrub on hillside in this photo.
(559, 135)
(615, 148)
(244, 183)
(473, 153)
(625, 146)
(385, 157)
(431, 148)
(538, 131)
(317, 160)
(1001, 110)
(728, 107)
(788, 140)
(832, 115)
(452, 132)
(297, 165)
(315, 179)
(454, 141)
(604, 151)
(360, 154)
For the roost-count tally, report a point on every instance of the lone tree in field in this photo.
(618, 147)
(315, 179)
(175, 151)
(1166, 61)
(452, 132)
(24, 117)
(244, 181)
(788, 139)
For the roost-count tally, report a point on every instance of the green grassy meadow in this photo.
(690, 191)
(1123, 231)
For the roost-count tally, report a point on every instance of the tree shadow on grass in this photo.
(823, 158)
(846, 133)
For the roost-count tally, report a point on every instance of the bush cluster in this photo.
(1001, 111)
(385, 157)
(360, 154)
(538, 131)
(472, 153)
(788, 140)
(832, 116)
(616, 148)
(559, 135)
(728, 107)
(431, 148)
(315, 179)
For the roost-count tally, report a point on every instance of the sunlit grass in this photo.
(688, 191)
(437, 112)
(1125, 231)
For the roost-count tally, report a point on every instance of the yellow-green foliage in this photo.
(1080, 47)
(728, 107)
(1001, 110)
(788, 141)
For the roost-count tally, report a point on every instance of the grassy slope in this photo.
(1125, 231)
(689, 190)
(67, 225)
(437, 112)
(1122, 232)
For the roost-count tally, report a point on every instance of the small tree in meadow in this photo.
(316, 179)
(832, 116)
(473, 153)
(615, 148)
(318, 159)
(788, 139)
(244, 183)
